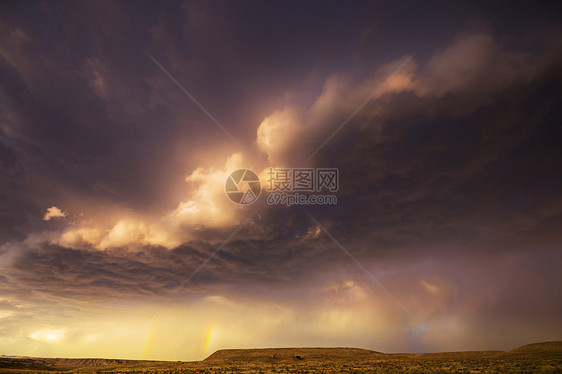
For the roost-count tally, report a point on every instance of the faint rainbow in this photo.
(148, 341)
(209, 338)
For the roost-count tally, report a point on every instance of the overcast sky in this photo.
(112, 178)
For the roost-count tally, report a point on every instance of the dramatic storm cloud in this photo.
(120, 123)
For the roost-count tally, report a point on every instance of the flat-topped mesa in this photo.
(293, 354)
(284, 355)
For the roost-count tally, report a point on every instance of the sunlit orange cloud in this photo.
(53, 212)
(284, 137)
(206, 207)
(287, 136)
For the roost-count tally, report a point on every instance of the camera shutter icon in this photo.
(243, 186)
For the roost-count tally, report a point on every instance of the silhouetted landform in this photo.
(268, 355)
(532, 358)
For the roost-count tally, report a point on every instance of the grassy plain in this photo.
(533, 358)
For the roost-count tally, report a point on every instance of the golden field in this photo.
(533, 358)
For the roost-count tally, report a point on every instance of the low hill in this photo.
(544, 349)
(463, 355)
(270, 355)
(292, 354)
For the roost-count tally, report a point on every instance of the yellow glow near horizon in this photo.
(194, 328)
(48, 335)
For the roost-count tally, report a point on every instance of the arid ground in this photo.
(533, 358)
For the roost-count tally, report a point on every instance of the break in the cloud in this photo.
(448, 180)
